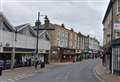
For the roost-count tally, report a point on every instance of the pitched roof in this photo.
(5, 20)
(108, 10)
(20, 27)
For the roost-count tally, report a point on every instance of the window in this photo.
(118, 6)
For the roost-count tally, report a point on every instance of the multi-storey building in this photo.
(111, 19)
(94, 44)
(66, 44)
(111, 30)
(81, 42)
(63, 42)
(18, 44)
(86, 42)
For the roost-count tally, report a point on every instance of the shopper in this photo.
(36, 63)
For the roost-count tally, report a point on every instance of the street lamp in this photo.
(38, 23)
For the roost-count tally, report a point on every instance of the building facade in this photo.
(111, 30)
(94, 44)
(18, 44)
(63, 42)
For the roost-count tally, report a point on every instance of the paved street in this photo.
(79, 72)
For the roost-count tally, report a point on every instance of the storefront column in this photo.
(13, 58)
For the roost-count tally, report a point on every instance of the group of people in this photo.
(27, 61)
(37, 62)
(31, 60)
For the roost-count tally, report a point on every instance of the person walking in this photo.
(36, 63)
(1, 67)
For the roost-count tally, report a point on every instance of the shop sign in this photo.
(42, 51)
(78, 51)
(116, 30)
(54, 52)
(68, 52)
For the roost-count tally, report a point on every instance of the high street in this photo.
(78, 72)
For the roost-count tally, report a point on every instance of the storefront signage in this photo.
(78, 51)
(69, 52)
(116, 30)
(42, 51)
(54, 52)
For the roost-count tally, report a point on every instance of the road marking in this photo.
(66, 77)
(10, 80)
(97, 76)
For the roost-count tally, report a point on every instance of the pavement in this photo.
(105, 75)
(24, 72)
(73, 72)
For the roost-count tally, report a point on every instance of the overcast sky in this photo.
(83, 15)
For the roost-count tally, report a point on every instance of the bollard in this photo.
(0, 71)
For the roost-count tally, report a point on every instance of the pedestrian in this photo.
(29, 61)
(42, 62)
(36, 63)
(1, 67)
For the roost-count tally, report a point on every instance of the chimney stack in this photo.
(46, 22)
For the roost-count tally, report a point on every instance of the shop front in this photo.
(26, 57)
(78, 54)
(23, 57)
(116, 57)
(5, 57)
(67, 55)
(44, 55)
(59, 54)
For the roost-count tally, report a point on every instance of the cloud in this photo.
(82, 15)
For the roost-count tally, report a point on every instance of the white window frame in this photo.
(118, 12)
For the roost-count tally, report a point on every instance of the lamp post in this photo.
(38, 23)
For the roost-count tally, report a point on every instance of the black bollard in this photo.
(0, 71)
